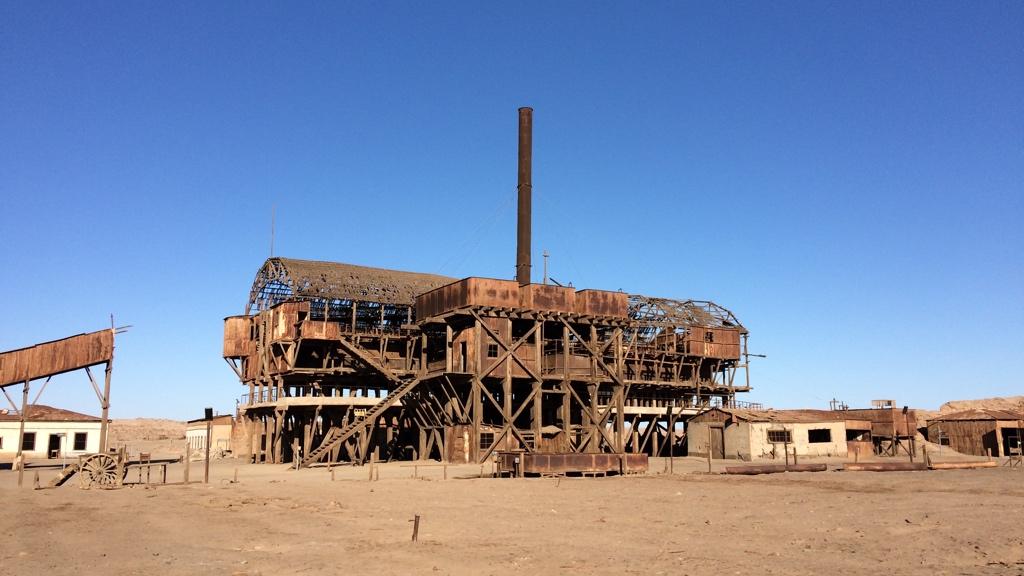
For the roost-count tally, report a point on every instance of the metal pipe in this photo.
(525, 188)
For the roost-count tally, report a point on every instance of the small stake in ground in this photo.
(416, 528)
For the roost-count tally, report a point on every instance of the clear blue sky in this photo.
(847, 178)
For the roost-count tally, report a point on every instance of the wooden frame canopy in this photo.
(49, 359)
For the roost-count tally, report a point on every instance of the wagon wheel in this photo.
(101, 470)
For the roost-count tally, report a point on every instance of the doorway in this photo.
(53, 446)
(718, 442)
(1012, 441)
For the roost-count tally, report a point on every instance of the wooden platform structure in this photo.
(339, 370)
(459, 369)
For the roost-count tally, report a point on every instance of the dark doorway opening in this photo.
(53, 446)
(1012, 441)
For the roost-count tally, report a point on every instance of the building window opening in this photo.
(29, 442)
(819, 436)
(709, 336)
(780, 437)
(858, 435)
(80, 441)
(486, 439)
(492, 350)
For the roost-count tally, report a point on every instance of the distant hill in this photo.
(136, 429)
(1005, 403)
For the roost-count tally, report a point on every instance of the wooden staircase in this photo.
(336, 435)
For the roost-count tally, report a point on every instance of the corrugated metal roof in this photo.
(282, 278)
(787, 416)
(44, 413)
(978, 414)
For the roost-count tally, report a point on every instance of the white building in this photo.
(766, 434)
(49, 433)
(195, 434)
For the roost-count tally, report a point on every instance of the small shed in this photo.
(978, 431)
(754, 434)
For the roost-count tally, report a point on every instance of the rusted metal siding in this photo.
(547, 298)
(285, 318)
(319, 330)
(713, 342)
(488, 292)
(602, 303)
(468, 292)
(534, 463)
(885, 422)
(237, 331)
(57, 357)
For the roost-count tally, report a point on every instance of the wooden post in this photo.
(19, 459)
(795, 463)
(209, 434)
(188, 459)
(105, 407)
(416, 528)
(709, 448)
(672, 442)
(445, 465)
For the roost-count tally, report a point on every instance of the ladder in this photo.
(66, 473)
(336, 435)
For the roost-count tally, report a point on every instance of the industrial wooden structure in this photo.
(469, 366)
(343, 361)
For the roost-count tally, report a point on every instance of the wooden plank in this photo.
(57, 357)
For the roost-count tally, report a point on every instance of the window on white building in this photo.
(780, 437)
(28, 443)
(80, 440)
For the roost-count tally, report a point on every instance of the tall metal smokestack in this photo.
(525, 193)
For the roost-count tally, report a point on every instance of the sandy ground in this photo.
(280, 521)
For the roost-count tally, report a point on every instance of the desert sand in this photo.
(274, 520)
